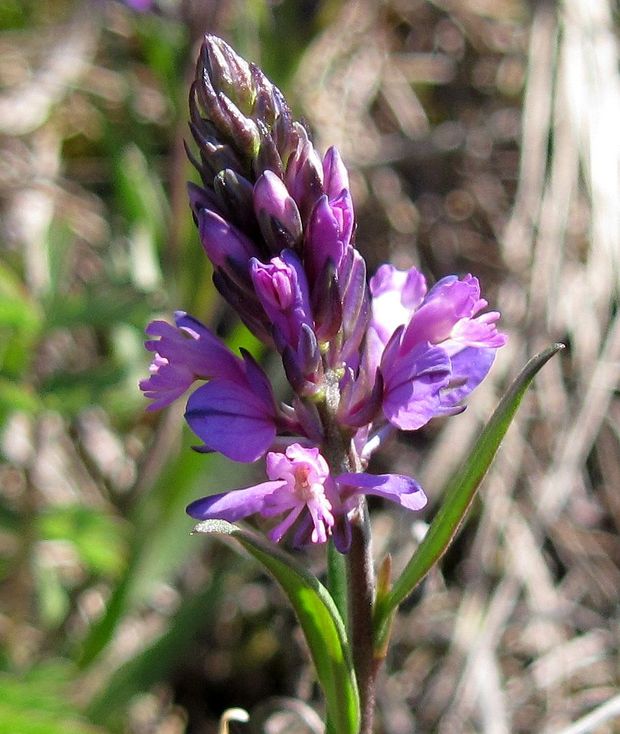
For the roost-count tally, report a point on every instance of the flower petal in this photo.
(412, 385)
(396, 294)
(394, 487)
(448, 301)
(234, 505)
(469, 367)
(184, 353)
(231, 419)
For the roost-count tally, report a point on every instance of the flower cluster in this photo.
(362, 359)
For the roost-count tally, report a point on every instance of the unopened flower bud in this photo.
(327, 303)
(335, 174)
(355, 302)
(200, 198)
(329, 232)
(282, 289)
(309, 352)
(223, 243)
(277, 213)
(229, 73)
(267, 157)
(244, 130)
(235, 194)
(304, 174)
(233, 103)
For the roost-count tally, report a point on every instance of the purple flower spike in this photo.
(282, 289)
(184, 353)
(299, 486)
(276, 211)
(277, 221)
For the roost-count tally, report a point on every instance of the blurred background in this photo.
(482, 136)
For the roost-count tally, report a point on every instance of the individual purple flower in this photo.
(302, 489)
(236, 401)
(282, 289)
(184, 353)
(432, 348)
(299, 484)
(447, 314)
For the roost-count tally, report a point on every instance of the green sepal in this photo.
(319, 618)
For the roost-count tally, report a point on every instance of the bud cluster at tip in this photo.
(265, 190)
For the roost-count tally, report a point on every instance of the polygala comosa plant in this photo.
(363, 358)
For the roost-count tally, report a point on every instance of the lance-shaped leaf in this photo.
(458, 496)
(319, 618)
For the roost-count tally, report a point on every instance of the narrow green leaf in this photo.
(458, 496)
(337, 580)
(319, 618)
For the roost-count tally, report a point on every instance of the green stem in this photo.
(341, 457)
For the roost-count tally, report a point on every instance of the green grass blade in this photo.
(458, 496)
(319, 618)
